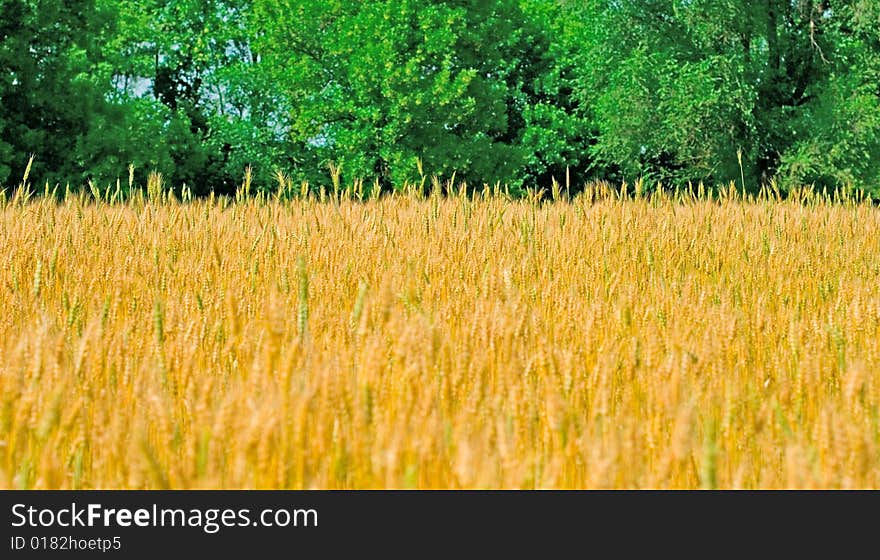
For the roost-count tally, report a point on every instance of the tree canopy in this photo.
(517, 92)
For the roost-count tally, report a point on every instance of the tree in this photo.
(188, 74)
(837, 134)
(513, 91)
(558, 128)
(681, 88)
(388, 87)
(51, 92)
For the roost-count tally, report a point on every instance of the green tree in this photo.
(51, 91)
(516, 91)
(558, 128)
(680, 87)
(188, 74)
(383, 87)
(837, 134)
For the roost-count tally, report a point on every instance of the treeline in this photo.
(516, 92)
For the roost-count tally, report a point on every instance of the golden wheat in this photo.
(437, 342)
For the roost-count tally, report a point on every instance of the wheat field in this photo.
(439, 342)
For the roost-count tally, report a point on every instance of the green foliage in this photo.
(382, 87)
(520, 92)
(838, 133)
(194, 83)
(679, 88)
(51, 89)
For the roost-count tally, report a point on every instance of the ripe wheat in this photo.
(431, 342)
